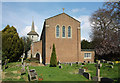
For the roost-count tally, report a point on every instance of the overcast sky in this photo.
(19, 14)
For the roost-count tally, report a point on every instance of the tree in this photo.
(105, 23)
(86, 44)
(27, 45)
(53, 60)
(12, 44)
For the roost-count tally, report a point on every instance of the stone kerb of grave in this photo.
(87, 75)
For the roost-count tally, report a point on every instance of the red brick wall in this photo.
(66, 48)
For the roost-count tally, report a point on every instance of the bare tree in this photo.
(105, 24)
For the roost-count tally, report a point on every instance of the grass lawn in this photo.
(67, 73)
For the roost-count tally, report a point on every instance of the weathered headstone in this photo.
(87, 75)
(81, 71)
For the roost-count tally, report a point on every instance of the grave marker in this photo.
(97, 77)
(87, 75)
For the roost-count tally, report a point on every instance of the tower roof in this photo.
(32, 32)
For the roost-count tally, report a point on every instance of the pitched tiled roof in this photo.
(32, 33)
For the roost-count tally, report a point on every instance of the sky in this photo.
(21, 14)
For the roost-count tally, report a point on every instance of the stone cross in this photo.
(98, 65)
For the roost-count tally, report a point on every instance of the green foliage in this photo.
(86, 44)
(27, 45)
(53, 60)
(12, 45)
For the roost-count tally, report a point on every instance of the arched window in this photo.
(69, 31)
(63, 31)
(57, 31)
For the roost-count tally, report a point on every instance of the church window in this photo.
(63, 31)
(87, 55)
(57, 31)
(69, 32)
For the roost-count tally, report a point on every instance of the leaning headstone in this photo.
(81, 71)
(87, 75)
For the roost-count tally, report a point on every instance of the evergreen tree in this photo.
(53, 60)
(12, 45)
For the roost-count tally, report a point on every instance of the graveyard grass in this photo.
(67, 73)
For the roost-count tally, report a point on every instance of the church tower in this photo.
(32, 34)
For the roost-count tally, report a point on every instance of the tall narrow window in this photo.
(69, 31)
(57, 31)
(63, 31)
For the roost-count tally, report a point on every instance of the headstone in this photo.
(58, 62)
(111, 63)
(77, 63)
(81, 71)
(110, 66)
(87, 75)
(83, 63)
(70, 64)
(60, 67)
(98, 65)
(108, 80)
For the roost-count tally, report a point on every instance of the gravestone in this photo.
(111, 63)
(77, 63)
(108, 80)
(97, 77)
(60, 67)
(87, 75)
(70, 64)
(83, 63)
(58, 62)
(81, 71)
(110, 66)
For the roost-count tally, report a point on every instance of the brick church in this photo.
(64, 31)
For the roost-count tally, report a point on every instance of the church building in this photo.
(64, 31)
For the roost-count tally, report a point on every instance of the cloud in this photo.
(85, 26)
(75, 10)
(27, 30)
(22, 20)
(78, 10)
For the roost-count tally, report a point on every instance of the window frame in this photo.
(62, 32)
(87, 55)
(70, 32)
(56, 31)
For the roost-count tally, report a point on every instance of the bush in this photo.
(53, 60)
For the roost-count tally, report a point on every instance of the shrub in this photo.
(53, 60)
